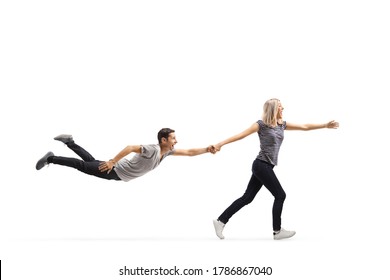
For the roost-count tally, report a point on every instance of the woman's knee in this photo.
(281, 196)
(246, 199)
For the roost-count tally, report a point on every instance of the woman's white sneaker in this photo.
(283, 234)
(219, 226)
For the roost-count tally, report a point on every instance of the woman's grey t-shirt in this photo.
(140, 164)
(271, 139)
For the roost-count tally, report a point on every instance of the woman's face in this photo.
(280, 111)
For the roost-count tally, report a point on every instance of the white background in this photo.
(113, 73)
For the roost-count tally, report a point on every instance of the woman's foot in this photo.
(219, 226)
(283, 234)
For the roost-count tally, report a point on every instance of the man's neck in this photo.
(163, 150)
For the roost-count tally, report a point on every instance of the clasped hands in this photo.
(213, 148)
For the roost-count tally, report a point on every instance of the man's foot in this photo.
(43, 161)
(282, 234)
(219, 226)
(64, 138)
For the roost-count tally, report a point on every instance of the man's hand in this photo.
(213, 149)
(106, 166)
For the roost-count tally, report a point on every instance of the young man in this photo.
(147, 157)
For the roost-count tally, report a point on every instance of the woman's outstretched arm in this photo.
(331, 124)
(252, 129)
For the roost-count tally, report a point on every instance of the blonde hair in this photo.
(270, 112)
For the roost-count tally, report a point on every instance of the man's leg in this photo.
(87, 167)
(81, 152)
(67, 139)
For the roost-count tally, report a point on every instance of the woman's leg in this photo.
(264, 172)
(253, 187)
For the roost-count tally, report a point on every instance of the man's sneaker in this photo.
(43, 161)
(282, 234)
(64, 138)
(219, 226)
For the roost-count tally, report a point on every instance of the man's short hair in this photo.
(164, 133)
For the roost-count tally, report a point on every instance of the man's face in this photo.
(171, 141)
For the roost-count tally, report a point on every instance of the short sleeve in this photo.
(148, 150)
(260, 123)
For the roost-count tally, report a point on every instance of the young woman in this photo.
(271, 133)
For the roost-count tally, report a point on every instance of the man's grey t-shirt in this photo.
(271, 139)
(140, 164)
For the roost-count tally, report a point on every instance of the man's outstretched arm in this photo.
(193, 152)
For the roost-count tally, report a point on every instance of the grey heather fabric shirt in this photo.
(271, 139)
(140, 164)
